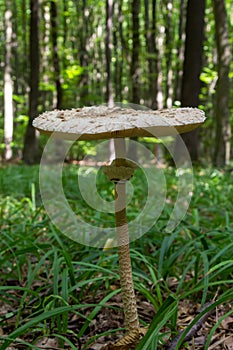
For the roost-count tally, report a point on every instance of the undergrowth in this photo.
(52, 287)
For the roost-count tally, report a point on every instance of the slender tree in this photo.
(180, 51)
(64, 20)
(46, 95)
(30, 151)
(56, 65)
(83, 50)
(8, 85)
(135, 66)
(150, 33)
(25, 44)
(168, 57)
(118, 48)
(108, 50)
(160, 58)
(15, 50)
(191, 84)
(222, 112)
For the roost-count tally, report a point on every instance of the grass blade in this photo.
(150, 340)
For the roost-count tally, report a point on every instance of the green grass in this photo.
(51, 286)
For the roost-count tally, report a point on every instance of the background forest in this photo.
(56, 293)
(64, 54)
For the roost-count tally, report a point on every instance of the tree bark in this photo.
(191, 84)
(30, 151)
(222, 112)
(8, 86)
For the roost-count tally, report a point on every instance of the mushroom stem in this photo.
(125, 268)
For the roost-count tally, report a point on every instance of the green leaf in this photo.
(73, 71)
(42, 317)
(150, 340)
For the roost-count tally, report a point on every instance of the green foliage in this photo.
(48, 280)
(73, 71)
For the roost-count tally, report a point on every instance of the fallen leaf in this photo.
(47, 343)
(227, 323)
(229, 343)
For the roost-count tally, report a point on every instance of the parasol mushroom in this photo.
(102, 122)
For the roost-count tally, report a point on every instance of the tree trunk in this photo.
(8, 86)
(54, 26)
(24, 72)
(160, 57)
(180, 52)
(168, 57)
(83, 51)
(192, 69)
(118, 46)
(64, 20)
(108, 46)
(152, 52)
(15, 52)
(223, 127)
(46, 95)
(135, 74)
(30, 151)
(135, 67)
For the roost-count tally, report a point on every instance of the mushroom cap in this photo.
(102, 122)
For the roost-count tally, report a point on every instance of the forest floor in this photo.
(222, 338)
(108, 319)
(196, 339)
(57, 294)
